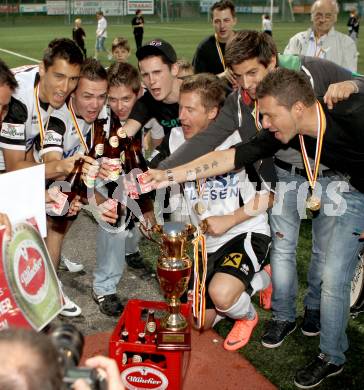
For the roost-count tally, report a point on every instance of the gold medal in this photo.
(313, 203)
(200, 207)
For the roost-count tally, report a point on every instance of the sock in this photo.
(241, 308)
(260, 281)
(217, 319)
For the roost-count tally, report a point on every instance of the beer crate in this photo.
(143, 365)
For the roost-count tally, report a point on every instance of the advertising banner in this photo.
(30, 295)
(147, 6)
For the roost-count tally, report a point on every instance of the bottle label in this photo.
(121, 133)
(144, 187)
(137, 359)
(151, 326)
(114, 167)
(90, 178)
(122, 157)
(99, 149)
(114, 141)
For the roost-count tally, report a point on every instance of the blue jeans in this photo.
(100, 44)
(285, 221)
(341, 260)
(110, 261)
(110, 256)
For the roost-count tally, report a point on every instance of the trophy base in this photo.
(169, 340)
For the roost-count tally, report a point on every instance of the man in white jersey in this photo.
(233, 209)
(8, 84)
(42, 90)
(70, 133)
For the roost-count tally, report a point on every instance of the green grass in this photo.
(29, 36)
(30, 39)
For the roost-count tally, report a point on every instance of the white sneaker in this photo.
(68, 265)
(70, 309)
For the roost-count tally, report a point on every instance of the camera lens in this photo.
(69, 342)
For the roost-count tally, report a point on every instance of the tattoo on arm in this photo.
(214, 164)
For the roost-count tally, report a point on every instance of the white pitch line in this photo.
(19, 55)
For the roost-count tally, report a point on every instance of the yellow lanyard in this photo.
(321, 127)
(218, 47)
(79, 132)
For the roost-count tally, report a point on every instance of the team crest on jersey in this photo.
(232, 260)
(52, 138)
(13, 131)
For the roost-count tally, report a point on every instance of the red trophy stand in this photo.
(143, 365)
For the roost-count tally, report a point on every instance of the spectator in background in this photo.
(353, 25)
(267, 24)
(101, 35)
(322, 40)
(209, 55)
(138, 28)
(78, 35)
(120, 49)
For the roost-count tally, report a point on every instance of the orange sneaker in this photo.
(265, 296)
(239, 335)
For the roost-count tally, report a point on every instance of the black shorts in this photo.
(241, 257)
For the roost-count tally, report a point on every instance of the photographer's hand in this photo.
(109, 370)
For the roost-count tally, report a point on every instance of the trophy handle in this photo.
(190, 229)
(147, 232)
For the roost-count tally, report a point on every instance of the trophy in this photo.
(174, 271)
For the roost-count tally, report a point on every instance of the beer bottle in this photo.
(151, 326)
(113, 150)
(135, 165)
(97, 149)
(124, 336)
(76, 183)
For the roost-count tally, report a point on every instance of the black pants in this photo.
(138, 40)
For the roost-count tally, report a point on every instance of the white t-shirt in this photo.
(221, 195)
(267, 25)
(101, 28)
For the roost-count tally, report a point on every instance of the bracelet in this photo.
(169, 174)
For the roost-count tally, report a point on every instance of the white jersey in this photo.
(63, 137)
(21, 124)
(221, 195)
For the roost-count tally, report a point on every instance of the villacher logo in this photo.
(143, 377)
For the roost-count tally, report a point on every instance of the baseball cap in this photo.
(157, 47)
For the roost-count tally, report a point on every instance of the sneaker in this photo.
(315, 372)
(135, 260)
(108, 304)
(240, 334)
(265, 296)
(276, 331)
(70, 309)
(68, 265)
(311, 323)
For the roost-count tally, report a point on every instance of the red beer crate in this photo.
(143, 366)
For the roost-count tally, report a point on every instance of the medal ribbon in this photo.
(219, 51)
(79, 132)
(199, 284)
(40, 120)
(321, 126)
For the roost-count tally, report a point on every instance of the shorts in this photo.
(241, 257)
